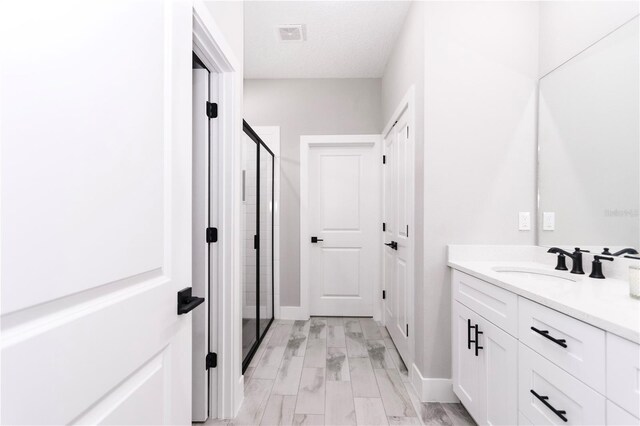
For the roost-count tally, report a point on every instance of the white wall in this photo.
(568, 27)
(405, 68)
(229, 16)
(306, 107)
(481, 70)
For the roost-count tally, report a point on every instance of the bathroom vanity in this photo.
(532, 345)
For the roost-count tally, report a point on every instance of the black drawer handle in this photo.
(469, 339)
(545, 333)
(476, 341)
(544, 399)
(187, 302)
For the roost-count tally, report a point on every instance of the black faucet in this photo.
(628, 250)
(596, 266)
(576, 256)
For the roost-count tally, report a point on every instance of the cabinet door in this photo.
(498, 375)
(466, 365)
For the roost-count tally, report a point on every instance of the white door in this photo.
(398, 157)
(205, 259)
(96, 212)
(343, 214)
(466, 366)
(498, 375)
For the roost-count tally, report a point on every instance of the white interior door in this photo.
(96, 212)
(343, 214)
(200, 247)
(397, 250)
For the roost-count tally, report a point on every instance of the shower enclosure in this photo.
(257, 259)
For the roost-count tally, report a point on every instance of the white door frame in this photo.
(407, 106)
(306, 142)
(213, 50)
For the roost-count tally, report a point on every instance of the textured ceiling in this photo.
(344, 39)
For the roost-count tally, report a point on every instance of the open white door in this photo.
(200, 273)
(96, 212)
(397, 262)
(340, 219)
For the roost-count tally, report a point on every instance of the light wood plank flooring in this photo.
(334, 371)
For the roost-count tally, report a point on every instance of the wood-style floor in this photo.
(334, 371)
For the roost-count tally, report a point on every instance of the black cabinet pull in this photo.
(545, 333)
(316, 239)
(476, 341)
(187, 302)
(544, 399)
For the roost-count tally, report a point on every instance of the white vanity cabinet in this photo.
(485, 370)
(535, 365)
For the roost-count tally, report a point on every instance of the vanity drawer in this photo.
(623, 373)
(561, 391)
(584, 354)
(492, 302)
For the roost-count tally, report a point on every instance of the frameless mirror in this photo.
(589, 146)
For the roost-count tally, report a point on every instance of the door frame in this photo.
(306, 142)
(212, 49)
(406, 106)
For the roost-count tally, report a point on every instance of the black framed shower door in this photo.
(255, 324)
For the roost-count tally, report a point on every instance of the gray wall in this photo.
(307, 107)
(481, 70)
(405, 68)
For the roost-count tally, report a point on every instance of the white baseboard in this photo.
(293, 313)
(432, 390)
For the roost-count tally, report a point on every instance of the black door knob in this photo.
(187, 302)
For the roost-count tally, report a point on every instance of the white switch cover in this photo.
(524, 221)
(548, 221)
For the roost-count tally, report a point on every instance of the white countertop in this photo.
(605, 304)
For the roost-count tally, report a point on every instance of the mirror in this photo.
(589, 146)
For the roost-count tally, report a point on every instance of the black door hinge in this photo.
(255, 242)
(384, 159)
(407, 330)
(384, 226)
(407, 131)
(211, 360)
(212, 235)
(384, 294)
(407, 231)
(212, 110)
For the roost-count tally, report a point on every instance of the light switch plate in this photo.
(548, 221)
(524, 221)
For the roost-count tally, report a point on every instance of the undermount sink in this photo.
(533, 273)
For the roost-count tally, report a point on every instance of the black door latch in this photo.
(187, 302)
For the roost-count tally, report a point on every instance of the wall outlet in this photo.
(548, 221)
(524, 221)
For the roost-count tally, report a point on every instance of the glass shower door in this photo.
(265, 281)
(257, 233)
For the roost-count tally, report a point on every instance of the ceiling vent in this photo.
(292, 32)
